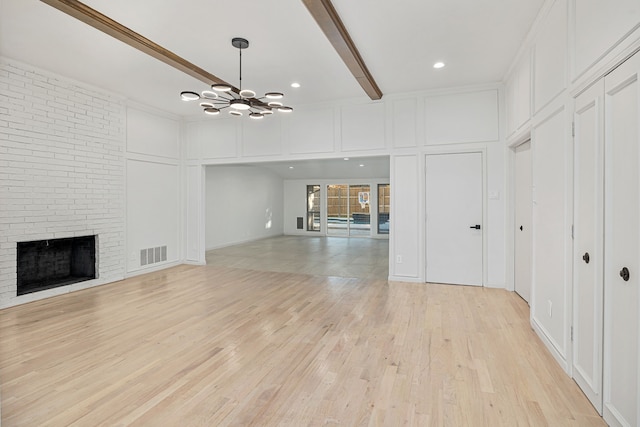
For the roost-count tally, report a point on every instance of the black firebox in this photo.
(46, 264)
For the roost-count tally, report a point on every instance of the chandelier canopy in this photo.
(240, 100)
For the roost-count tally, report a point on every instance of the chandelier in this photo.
(223, 95)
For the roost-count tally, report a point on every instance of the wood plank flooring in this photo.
(325, 256)
(219, 346)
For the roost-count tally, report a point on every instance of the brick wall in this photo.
(61, 169)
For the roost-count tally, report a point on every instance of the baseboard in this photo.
(405, 279)
(155, 267)
(61, 290)
(186, 262)
(239, 242)
(550, 344)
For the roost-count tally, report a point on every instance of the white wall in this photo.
(552, 218)
(75, 160)
(153, 187)
(61, 171)
(408, 125)
(242, 203)
(571, 45)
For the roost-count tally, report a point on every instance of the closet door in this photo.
(587, 244)
(622, 233)
(523, 221)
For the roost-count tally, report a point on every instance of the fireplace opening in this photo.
(46, 264)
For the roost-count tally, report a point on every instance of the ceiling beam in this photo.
(330, 23)
(92, 17)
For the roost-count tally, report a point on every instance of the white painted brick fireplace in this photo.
(62, 171)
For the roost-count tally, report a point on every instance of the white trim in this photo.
(60, 290)
(549, 343)
(155, 267)
(405, 279)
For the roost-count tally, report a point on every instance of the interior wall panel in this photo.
(404, 122)
(363, 127)
(212, 139)
(550, 60)
(312, 131)
(152, 210)
(261, 137)
(405, 237)
(595, 34)
(463, 117)
(151, 134)
(551, 230)
(194, 210)
(523, 100)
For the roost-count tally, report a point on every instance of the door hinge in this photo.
(572, 231)
(573, 129)
(572, 333)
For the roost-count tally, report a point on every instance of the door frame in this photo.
(457, 150)
(514, 189)
(510, 202)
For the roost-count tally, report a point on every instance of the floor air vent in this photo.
(153, 255)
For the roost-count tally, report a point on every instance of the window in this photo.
(313, 208)
(384, 207)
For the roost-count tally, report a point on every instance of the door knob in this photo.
(520, 228)
(585, 257)
(477, 226)
(624, 273)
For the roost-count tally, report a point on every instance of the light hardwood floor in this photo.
(216, 346)
(324, 256)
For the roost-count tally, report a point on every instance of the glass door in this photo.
(348, 211)
(360, 217)
(338, 210)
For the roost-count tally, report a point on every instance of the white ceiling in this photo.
(334, 169)
(399, 41)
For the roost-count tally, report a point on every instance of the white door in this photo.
(454, 218)
(587, 244)
(622, 233)
(523, 211)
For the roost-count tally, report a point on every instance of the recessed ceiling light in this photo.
(346, 158)
(361, 166)
(438, 65)
(290, 167)
(295, 84)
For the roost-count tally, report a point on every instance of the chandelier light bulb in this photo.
(274, 95)
(256, 116)
(285, 109)
(246, 93)
(211, 111)
(240, 104)
(189, 96)
(209, 94)
(275, 104)
(235, 113)
(221, 87)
